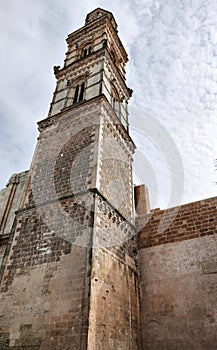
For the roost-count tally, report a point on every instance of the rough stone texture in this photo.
(57, 291)
(115, 161)
(114, 306)
(46, 281)
(177, 224)
(45, 286)
(76, 274)
(46, 306)
(142, 205)
(10, 200)
(66, 304)
(178, 278)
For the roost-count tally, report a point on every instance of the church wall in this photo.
(4, 194)
(178, 277)
(10, 201)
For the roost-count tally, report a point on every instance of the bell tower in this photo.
(70, 280)
(94, 65)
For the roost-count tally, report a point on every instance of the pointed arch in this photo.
(77, 91)
(86, 49)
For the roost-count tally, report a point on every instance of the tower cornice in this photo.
(103, 13)
(83, 63)
(43, 124)
(93, 25)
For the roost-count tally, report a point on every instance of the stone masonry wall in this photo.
(45, 287)
(10, 200)
(49, 295)
(70, 279)
(188, 221)
(115, 174)
(178, 277)
(114, 303)
(44, 293)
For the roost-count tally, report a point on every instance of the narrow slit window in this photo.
(76, 94)
(115, 102)
(85, 53)
(87, 50)
(81, 95)
(113, 57)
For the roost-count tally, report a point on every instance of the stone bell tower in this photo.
(70, 279)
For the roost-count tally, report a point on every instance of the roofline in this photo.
(100, 8)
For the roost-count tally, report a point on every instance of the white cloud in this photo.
(178, 82)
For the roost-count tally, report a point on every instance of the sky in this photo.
(172, 69)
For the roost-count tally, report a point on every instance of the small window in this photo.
(87, 50)
(79, 93)
(115, 103)
(76, 94)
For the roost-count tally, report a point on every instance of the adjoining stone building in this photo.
(81, 268)
(10, 202)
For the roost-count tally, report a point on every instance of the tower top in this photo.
(94, 67)
(98, 13)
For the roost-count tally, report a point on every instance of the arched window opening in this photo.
(79, 93)
(87, 50)
(115, 102)
(76, 94)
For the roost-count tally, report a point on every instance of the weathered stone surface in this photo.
(46, 304)
(177, 224)
(178, 282)
(70, 280)
(10, 201)
(76, 272)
